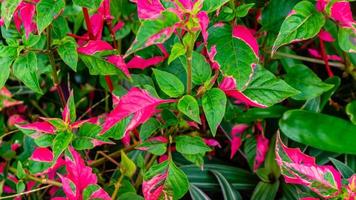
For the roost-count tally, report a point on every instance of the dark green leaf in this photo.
(148, 128)
(214, 104)
(67, 50)
(345, 170)
(228, 192)
(169, 83)
(351, 111)
(265, 191)
(197, 194)
(242, 10)
(188, 105)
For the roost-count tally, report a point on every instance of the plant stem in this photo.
(325, 58)
(87, 22)
(40, 180)
(116, 154)
(27, 192)
(54, 70)
(189, 56)
(117, 186)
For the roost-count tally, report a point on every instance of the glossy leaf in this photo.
(7, 57)
(61, 143)
(303, 22)
(197, 194)
(188, 105)
(214, 105)
(88, 3)
(98, 66)
(127, 165)
(155, 145)
(321, 131)
(67, 50)
(351, 111)
(169, 83)
(191, 145)
(227, 189)
(213, 5)
(265, 191)
(47, 10)
(346, 39)
(178, 49)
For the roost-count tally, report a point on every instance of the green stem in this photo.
(39, 180)
(117, 186)
(189, 56)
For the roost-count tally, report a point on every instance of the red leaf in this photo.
(119, 62)
(326, 36)
(236, 134)
(261, 150)
(42, 154)
(228, 85)
(204, 23)
(138, 62)
(94, 46)
(43, 127)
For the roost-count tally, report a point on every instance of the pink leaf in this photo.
(315, 53)
(149, 9)
(212, 142)
(325, 36)
(118, 26)
(104, 10)
(244, 34)
(152, 189)
(27, 12)
(94, 46)
(43, 127)
(138, 62)
(100, 194)
(2, 22)
(236, 141)
(119, 62)
(211, 54)
(321, 4)
(137, 102)
(299, 168)
(42, 154)
(228, 85)
(261, 150)
(67, 188)
(351, 187)
(309, 198)
(341, 12)
(204, 23)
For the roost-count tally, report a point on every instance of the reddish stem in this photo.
(87, 22)
(109, 83)
(325, 58)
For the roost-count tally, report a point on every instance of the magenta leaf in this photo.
(261, 150)
(119, 62)
(94, 46)
(42, 154)
(211, 142)
(43, 127)
(228, 85)
(341, 13)
(204, 23)
(26, 13)
(149, 9)
(236, 140)
(326, 36)
(136, 102)
(69, 111)
(298, 168)
(244, 34)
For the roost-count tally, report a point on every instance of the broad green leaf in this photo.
(87, 137)
(148, 128)
(242, 10)
(201, 70)
(127, 167)
(8, 8)
(61, 143)
(7, 57)
(31, 41)
(98, 66)
(188, 105)
(265, 190)
(20, 172)
(346, 39)
(177, 180)
(169, 83)
(178, 49)
(228, 192)
(20, 186)
(351, 111)
(44, 140)
(197, 194)
(191, 145)
(117, 132)
(234, 56)
(130, 196)
(88, 3)
(320, 131)
(345, 170)
(307, 82)
(47, 10)
(214, 105)
(267, 89)
(67, 50)
(155, 147)
(150, 31)
(25, 69)
(304, 22)
(213, 5)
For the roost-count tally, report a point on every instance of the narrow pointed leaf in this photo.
(228, 192)
(197, 194)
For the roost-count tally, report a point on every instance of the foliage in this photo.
(177, 99)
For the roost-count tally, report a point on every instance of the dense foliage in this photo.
(177, 99)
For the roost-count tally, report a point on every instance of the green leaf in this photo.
(169, 83)
(8, 8)
(212, 5)
(228, 192)
(130, 196)
(351, 111)
(61, 143)
(31, 41)
(148, 128)
(89, 190)
(346, 39)
(345, 170)
(188, 105)
(44, 140)
(87, 135)
(242, 10)
(25, 69)
(265, 190)
(266, 89)
(67, 50)
(306, 81)
(47, 10)
(155, 147)
(178, 49)
(177, 180)
(127, 167)
(304, 23)
(197, 194)
(20, 186)
(98, 66)
(191, 145)
(201, 70)
(7, 57)
(234, 56)
(88, 3)
(214, 104)
(320, 131)
(20, 172)
(153, 28)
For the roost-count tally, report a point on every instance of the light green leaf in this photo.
(67, 50)
(61, 143)
(25, 69)
(191, 145)
(155, 147)
(47, 10)
(266, 89)
(148, 128)
(214, 104)
(188, 105)
(178, 49)
(8, 8)
(346, 39)
(212, 5)
(242, 10)
(152, 30)
(98, 66)
(177, 180)
(306, 81)
(88, 3)
(303, 23)
(87, 135)
(128, 167)
(20, 172)
(351, 111)
(169, 83)
(201, 70)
